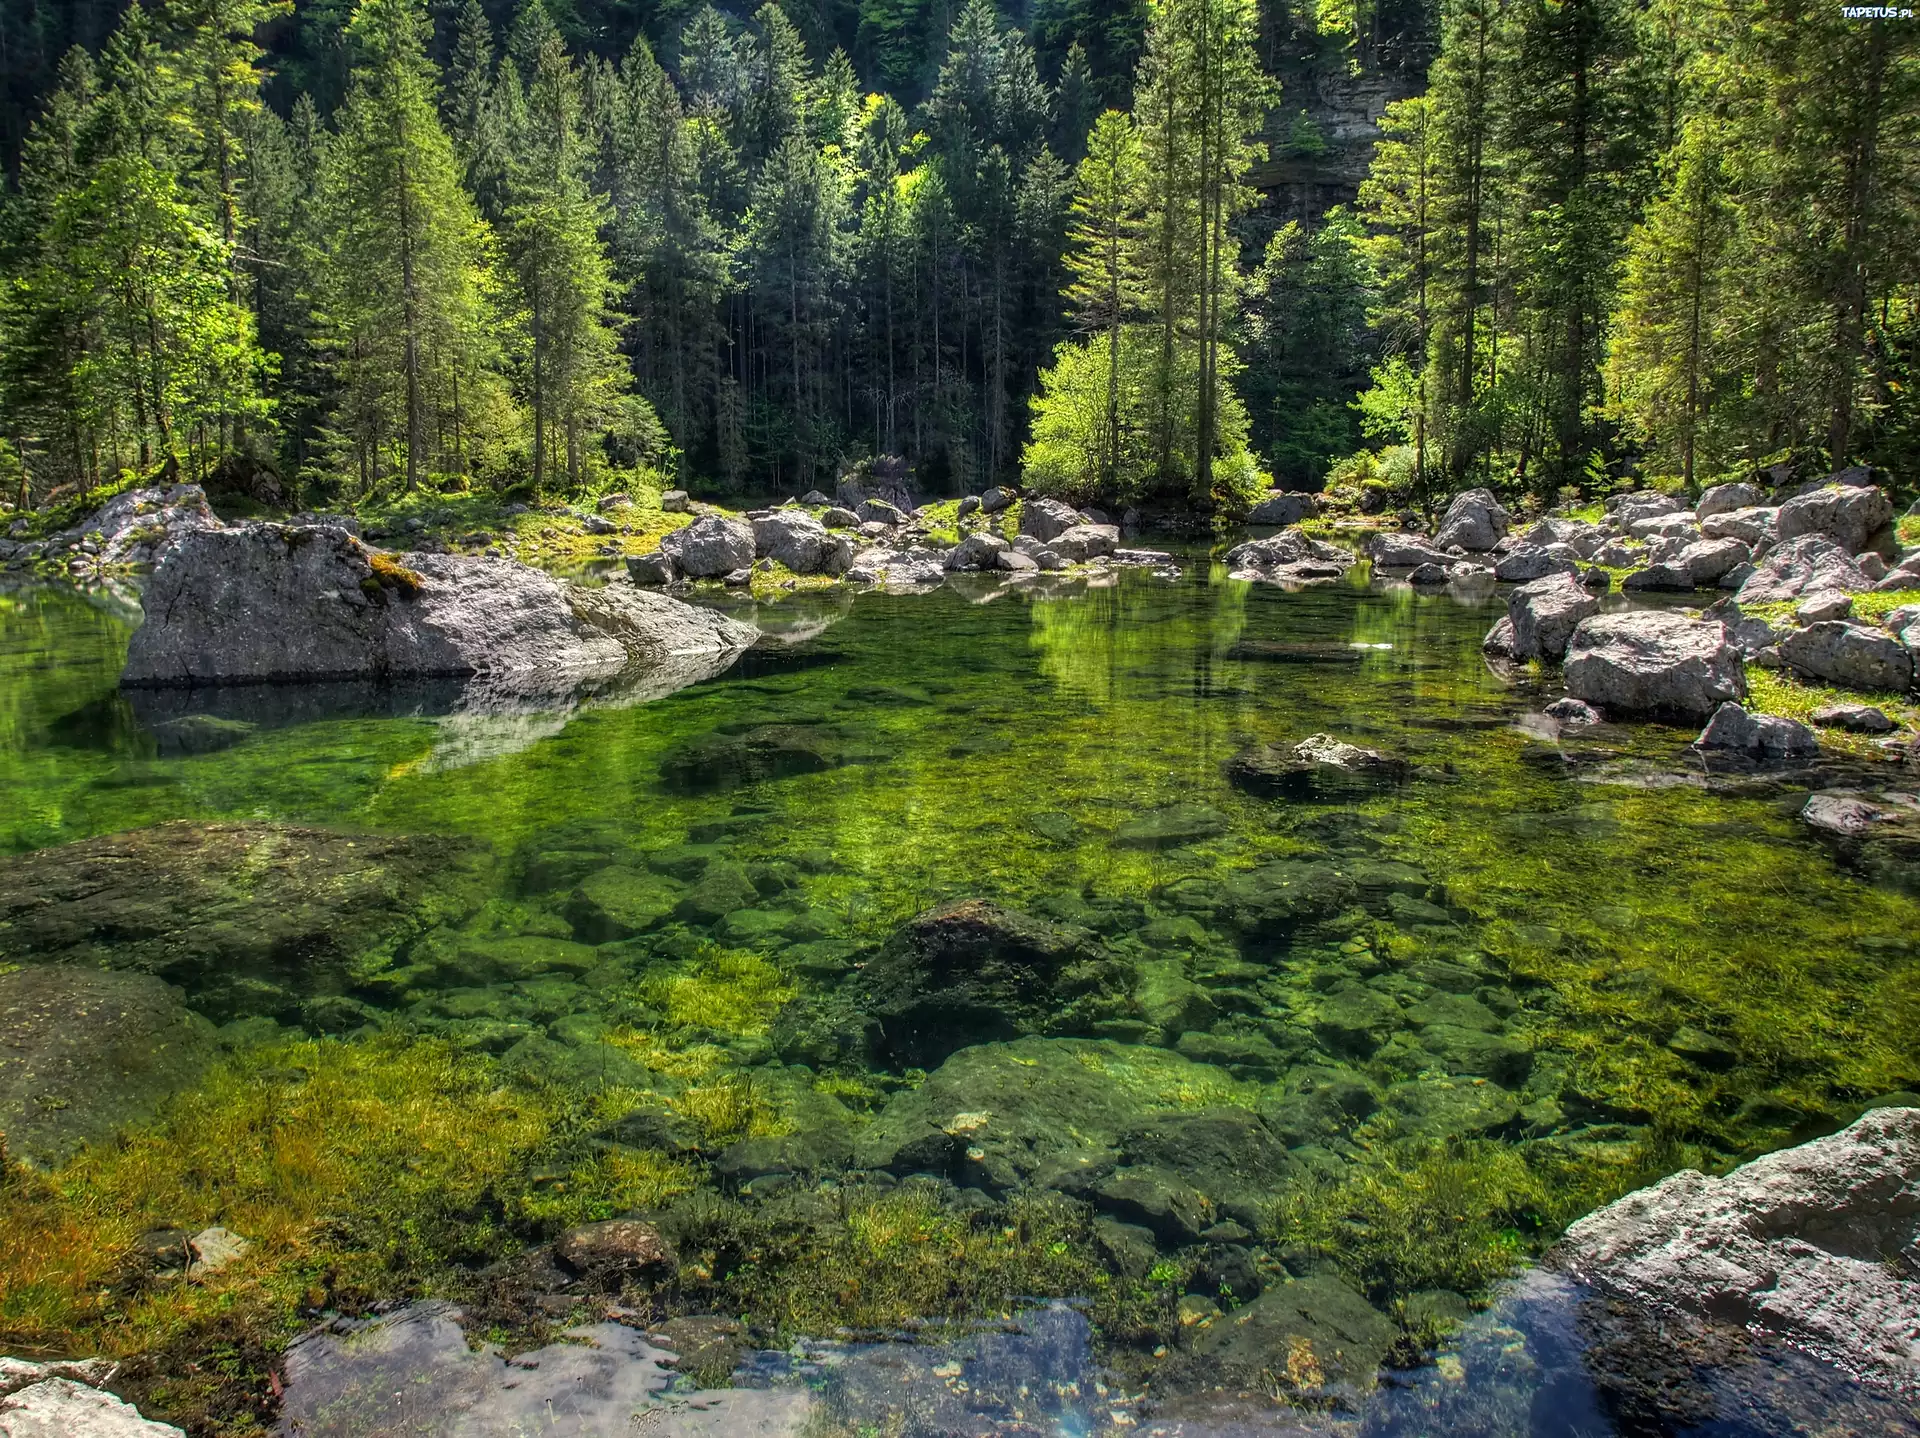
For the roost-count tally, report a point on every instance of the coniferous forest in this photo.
(326, 252)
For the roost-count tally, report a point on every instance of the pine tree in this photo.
(1108, 290)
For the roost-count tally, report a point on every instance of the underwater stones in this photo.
(1045, 519)
(971, 972)
(1848, 815)
(1850, 655)
(1318, 767)
(1451, 1107)
(1172, 1002)
(1474, 520)
(1545, 613)
(1854, 517)
(1171, 827)
(84, 1051)
(1270, 900)
(751, 1159)
(1355, 1020)
(1701, 1048)
(1319, 1104)
(802, 543)
(711, 547)
(1462, 1050)
(616, 1245)
(719, 762)
(1758, 736)
(1571, 712)
(1282, 507)
(1316, 1336)
(1454, 1008)
(1289, 557)
(722, 889)
(216, 907)
(1157, 1200)
(617, 902)
(1806, 564)
(1653, 661)
(1812, 1245)
(1242, 1055)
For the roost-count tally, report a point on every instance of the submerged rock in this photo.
(972, 972)
(1814, 1245)
(1318, 766)
(1654, 661)
(249, 918)
(718, 762)
(1315, 1337)
(84, 1051)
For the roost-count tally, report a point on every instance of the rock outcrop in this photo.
(1814, 1245)
(1857, 518)
(1284, 507)
(802, 543)
(712, 547)
(1805, 564)
(1475, 521)
(1288, 557)
(1654, 662)
(266, 603)
(63, 1400)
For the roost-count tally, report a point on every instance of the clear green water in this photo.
(1608, 907)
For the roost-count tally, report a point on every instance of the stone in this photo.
(266, 602)
(1452, 1107)
(616, 1244)
(1404, 551)
(1463, 1050)
(1626, 510)
(1242, 1055)
(1281, 508)
(1319, 766)
(972, 972)
(1752, 526)
(1474, 520)
(1849, 655)
(880, 511)
(212, 1249)
(1846, 816)
(1269, 901)
(1429, 576)
(1573, 712)
(1046, 518)
(651, 569)
(84, 1052)
(1703, 1049)
(1856, 718)
(1157, 1200)
(1084, 542)
(992, 501)
(969, 505)
(1823, 605)
(1721, 498)
(1812, 1245)
(1529, 562)
(802, 543)
(1661, 578)
(712, 547)
(1355, 1020)
(59, 1407)
(676, 501)
(1708, 561)
(838, 518)
(1545, 614)
(977, 551)
(1680, 527)
(1807, 563)
(1654, 661)
(1758, 736)
(1288, 557)
(1853, 517)
(1314, 1336)
(1499, 640)
(1171, 827)
(719, 762)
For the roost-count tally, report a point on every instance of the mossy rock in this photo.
(617, 902)
(716, 763)
(1452, 1108)
(722, 889)
(1171, 827)
(1316, 1337)
(1271, 900)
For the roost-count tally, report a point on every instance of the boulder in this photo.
(1754, 525)
(1045, 518)
(1679, 526)
(1660, 579)
(1429, 576)
(1315, 1337)
(1528, 562)
(976, 551)
(1708, 561)
(1856, 518)
(973, 972)
(1288, 557)
(1572, 712)
(141, 526)
(676, 501)
(1822, 605)
(1620, 554)
(616, 1245)
(1626, 510)
(838, 518)
(711, 547)
(1084, 542)
(1545, 613)
(1578, 535)
(84, 1051)
(1404, 551)
(802, 543)
(1654, 661)
(1758, 736)
(1855, 718)
(1319, 766)
(1268, 902)
(1723, 498)
(1804, 564)
(881, 511)
(1282, 508)
(1850, 655)
(1474, 520)
(1812, 1245)
(60, 1406)
(650, 569)
(994, 500)
(1846, 815)
(1499, 640)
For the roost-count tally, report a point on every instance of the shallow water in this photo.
(1577, 952)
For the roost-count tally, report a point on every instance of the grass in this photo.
(1776, 691)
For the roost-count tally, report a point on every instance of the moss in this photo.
(727, 991)
(1778, 691)
(777, 581)
(1908, 528)
(391, 575)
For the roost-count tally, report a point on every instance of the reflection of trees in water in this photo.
(1128, 642)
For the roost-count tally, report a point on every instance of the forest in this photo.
(317, 253)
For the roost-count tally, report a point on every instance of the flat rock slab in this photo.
(217, 907)
(63, 1408)
(84, 1051)
(1815, 1245)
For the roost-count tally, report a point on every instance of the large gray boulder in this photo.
(1085, 541)
(1583, 538)
(1652, 661)
(1758, 736)
(1723, 498)
(1474, 520)
(1283, 508)
(1288, 557)
(711, 547)
(1850, 655)
(1708, 561)
(1754, 525)
(1545, 614)
(1404, 551)
(1856, 518)
(1804, 564)
(1046, 518)
(1626, 510)
(802, 543)
(141, 526)
(1814, 1245)
(981, 550)
(1679, 525)
(1527, 562)
(266, 603)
